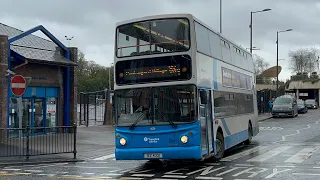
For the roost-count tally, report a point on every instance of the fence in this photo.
(92, 108)
(263, 98)
(55, 140)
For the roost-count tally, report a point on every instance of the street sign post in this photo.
(18, 88)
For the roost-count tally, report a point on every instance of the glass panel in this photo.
(51, 118)
(38, 115)
(26, 115)
(202, 35)
(140, 38)
(158, 106)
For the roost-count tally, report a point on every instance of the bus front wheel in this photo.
(219, 146)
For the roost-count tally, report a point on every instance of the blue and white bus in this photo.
(182, 90)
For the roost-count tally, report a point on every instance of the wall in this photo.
(3, 83)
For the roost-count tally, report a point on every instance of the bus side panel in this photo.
(230, 131)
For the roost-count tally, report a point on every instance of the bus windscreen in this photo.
(153, 37)
(159, 69)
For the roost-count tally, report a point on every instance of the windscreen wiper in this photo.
(136, 122)
(172, 124)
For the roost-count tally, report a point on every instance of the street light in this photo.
(250, 26)
(278, 58)
(68, 39)
(110, 87)
(253, 48)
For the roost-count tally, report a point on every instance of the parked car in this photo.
(312, 104)
(302, 107)
(285, 105)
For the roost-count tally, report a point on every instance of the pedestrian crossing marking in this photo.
(262, 156)
(301, 155)
(244, 153)
(269, 154)
(104, 157)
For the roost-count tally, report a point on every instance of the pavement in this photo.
(285, 148)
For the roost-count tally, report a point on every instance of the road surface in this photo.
(286, 148)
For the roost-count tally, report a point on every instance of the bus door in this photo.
(205, 111)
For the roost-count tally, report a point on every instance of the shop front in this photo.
(39, 110)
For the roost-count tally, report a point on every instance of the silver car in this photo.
(285, 106)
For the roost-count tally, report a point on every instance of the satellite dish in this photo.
(272, 72)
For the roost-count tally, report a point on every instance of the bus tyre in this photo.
(248, 141)
(219, 147)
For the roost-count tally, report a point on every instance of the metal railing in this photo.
(38, 141)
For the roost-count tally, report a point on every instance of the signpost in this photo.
(18, 87)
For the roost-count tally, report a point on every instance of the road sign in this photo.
(18, 85)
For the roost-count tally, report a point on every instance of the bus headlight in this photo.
(184, 139)
(123, 141)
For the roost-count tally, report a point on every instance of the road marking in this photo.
(215, 178)
(174, 176)
(104, 157)
(88, 173)
(285, 166)
(269, 154)
(242, 154)
(3, 172)
(247, 165)
(283, 138)
(111, 174)
(301, 155)
(23, 173)
(316, 167)
(12, 169)
(212, 164)
(143, 175)
(306, 174)
(34, 171)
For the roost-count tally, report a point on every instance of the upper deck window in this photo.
(153, 37)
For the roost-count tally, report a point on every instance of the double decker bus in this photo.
(181, 91)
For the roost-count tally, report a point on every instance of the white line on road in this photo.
(283, 138)
(247, 165)
(34, 171)
(242, 154)
(12, 169)
(174, 176)
(307, 174)
(104, 157)
(269, 154)
(143, 175)
(214, 178)
(301, 155)
(285, 166)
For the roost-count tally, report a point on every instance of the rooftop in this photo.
(34, 48)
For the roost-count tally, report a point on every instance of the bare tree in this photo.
(260, 64)
(304, 60)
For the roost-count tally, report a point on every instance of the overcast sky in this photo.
(92, 22)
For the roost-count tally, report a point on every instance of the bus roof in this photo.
(162, 16)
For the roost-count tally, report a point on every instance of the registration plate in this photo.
(153, 155)
(281, 114)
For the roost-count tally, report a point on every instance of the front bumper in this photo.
(193, 152)
(282, 113)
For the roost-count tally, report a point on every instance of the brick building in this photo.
(50, 97)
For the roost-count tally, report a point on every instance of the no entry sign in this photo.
(18, 85)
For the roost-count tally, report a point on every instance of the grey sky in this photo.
(92, 22)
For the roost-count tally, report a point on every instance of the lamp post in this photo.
(110, 87)
(220, 16)
(250, 26)
(68, 39)
(278, 58)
